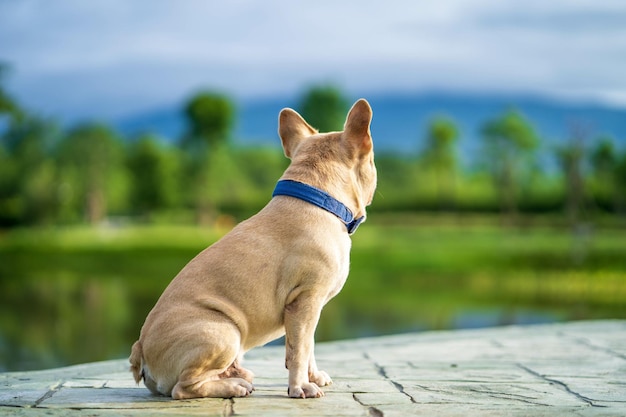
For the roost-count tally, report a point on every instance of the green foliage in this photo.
(225, 184)
(18, 149)
(91, 174)
(620, 185)
(258, 169)
(440, 157)
(324, 107)
(509, 141)
(8, 106)
(155, 176)
(571, 157)
(207, 163)
(510, 134)
(603, 184)
(28, 188)
(603, 157)
(210, 117)
(91, 163)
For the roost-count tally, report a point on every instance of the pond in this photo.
(63, 304)
(62, 319)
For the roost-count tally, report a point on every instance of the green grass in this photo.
(490, 263)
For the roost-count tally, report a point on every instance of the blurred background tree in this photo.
(8, 106)
(324, 107)
(50, 174)
(28, 187)
(572, 157)
(620, 184)
(510, 141)
(210, 117)
(155, 176)
(440, 158)
(603, 159)
(92, 170)
(11, 203)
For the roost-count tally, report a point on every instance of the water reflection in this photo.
(62, 319)
(55, 310)
(502, 317)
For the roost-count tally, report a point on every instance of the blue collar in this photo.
(319, 198)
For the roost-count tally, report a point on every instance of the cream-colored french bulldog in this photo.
(270, 276)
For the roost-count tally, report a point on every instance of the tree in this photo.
(510, 141)
(603, 156)
(28, 190)
(571, 157)
(324, 107)
(92, 163)
(154, 175)
(28, 187)
(210, 118)
(604, 160)
(8, 106)
(440, 157)
(620, 183)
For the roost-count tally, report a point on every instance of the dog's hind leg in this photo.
(235, 370)
(212, 366)
(209, 385)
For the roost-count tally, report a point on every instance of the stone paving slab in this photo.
(576, 369)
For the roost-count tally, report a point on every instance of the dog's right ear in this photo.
(357, 127)
(292, 128)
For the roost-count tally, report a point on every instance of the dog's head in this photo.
(340, 163)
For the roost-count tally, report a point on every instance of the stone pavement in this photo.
(576, 368)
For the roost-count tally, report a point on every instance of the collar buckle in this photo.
(354, 224)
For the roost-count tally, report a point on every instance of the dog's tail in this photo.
(136, 361)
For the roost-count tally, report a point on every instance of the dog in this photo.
(269, 276)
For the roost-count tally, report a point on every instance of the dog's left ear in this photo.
(292, 128)
(357, 127)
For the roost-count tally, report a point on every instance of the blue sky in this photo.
(110, 58)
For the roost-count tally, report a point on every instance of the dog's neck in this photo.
(319, 198)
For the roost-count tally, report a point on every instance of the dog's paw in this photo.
(221, 388)
(321, 378)
(306, 390)
(245, 388)
(237, 387)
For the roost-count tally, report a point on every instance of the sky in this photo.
(74, 59)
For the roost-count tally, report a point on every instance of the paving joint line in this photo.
(381, 371)
(229, 408)
(53, 390)
(562, 384)
(586, 342)
(506, 396)
(371, 410)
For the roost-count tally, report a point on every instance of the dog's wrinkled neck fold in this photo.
(319, 198)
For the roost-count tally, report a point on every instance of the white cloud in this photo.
(110, 57)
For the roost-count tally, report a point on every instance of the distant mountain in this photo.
(400, 121)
